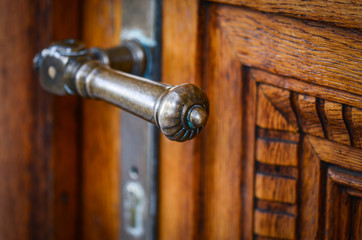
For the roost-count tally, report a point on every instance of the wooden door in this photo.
(59, 156)
(280, 157)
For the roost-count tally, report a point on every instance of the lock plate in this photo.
(139, 21)
(139, 160)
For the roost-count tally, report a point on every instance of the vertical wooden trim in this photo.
(101, 134)
(223, 148)
(25, 122)
(248, 162)
(66, 133)
(179, 163)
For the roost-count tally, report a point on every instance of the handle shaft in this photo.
(67, 67)
(136, 95)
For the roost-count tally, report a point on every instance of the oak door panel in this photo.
(303, 123)
(100, 136)
(222, 144)
(343, 204)
(307, 50)
(38, 132)
(339, 12)
(66, 145)
(285, 121)
(179, 163)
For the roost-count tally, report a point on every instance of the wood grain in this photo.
(309, 51)
(275, 188)
(341, 155)
(274, 109)
(339, 204)
(222, 149)
(271, 81)
(276, 152)
(277, 170)
(25, 123)
(346, 178)
(46, 166)
(308, 115)
(101, 134)
(356, 127)
(357, 219)
(307, 88)
(310, 199)
(353, 119)
(248, 154)
(336, 128)
(65, 161)
(179, 163)
(274, 225)
(316, 116)
(342, 13)
(276, 207)
(277, 135)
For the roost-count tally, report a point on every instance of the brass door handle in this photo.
(67, 67)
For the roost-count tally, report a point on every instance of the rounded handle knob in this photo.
(182, 112)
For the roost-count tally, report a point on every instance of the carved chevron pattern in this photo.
(290, 123)
(290, 111)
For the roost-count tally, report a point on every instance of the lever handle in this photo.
(67, 67)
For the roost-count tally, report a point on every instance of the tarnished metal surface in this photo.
(138, 166)
(141, 20)
(128, 57)
(68, 68)
(138, 21)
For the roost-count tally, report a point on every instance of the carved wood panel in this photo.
(300, 128)
(285, 107)
(299, 140)
(343, 204)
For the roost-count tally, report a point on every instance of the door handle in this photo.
(68, 67)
